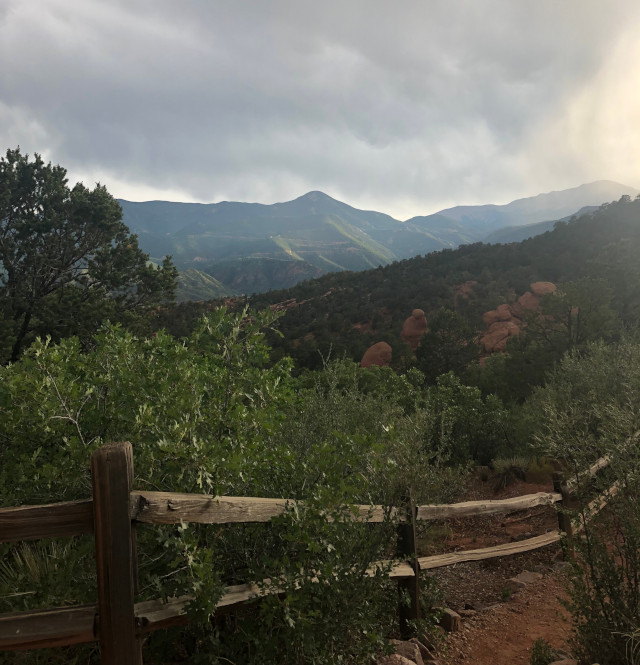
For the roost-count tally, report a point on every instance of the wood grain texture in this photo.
(595, 468)
(55, 627)
(155, 615)
(112, 475)
(471, 508)
(409, 586)
(441, 560)
(173, 508)
(54, 520)
(595, 506)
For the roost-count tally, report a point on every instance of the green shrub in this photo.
(542, 653)
(589, 409)
(212, 414)
(509, 470)
(540, 470)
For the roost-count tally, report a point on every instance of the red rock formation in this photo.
(413, 329)
(495, 339)
(378, 354)
(542, 288)
(506, 321)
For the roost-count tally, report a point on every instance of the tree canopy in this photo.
(67, 261)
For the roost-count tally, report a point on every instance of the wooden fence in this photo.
(119, 624)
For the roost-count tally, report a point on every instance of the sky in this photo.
(405, 107)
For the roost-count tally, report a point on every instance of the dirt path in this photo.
(503, 634)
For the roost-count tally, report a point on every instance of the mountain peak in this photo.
(315, 196)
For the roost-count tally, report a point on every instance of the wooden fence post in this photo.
(409, 585)
(112, 476)
(564, 519)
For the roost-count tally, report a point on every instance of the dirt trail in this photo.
(503, 634)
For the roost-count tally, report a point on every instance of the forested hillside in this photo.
(252, 247)
(345, 313)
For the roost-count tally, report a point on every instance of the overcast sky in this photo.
(405, 107)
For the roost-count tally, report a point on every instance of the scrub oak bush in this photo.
(213, 414)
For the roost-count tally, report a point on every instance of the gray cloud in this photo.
(403, 107)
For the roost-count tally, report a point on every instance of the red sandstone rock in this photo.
(504, 313)
(542, 288)
(463, 291)
(413, 329)
(528, 301)
(495, 339)
(490, 317)
(505, 321)
(378, 354)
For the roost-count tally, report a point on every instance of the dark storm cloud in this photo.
(399, 106)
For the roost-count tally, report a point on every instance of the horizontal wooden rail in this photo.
(596, 467)
(157, 614)
(73, 518)
(56, 627)
(173, 508)
(472, 508)
(597, 505)
(75, 625)
(442, 560)
(54, 520)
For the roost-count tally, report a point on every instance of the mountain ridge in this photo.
(327, 235)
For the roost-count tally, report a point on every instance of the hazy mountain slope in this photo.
(326, 235)
(197, 285)
(479, 220)
(520, 233)
(321, 233)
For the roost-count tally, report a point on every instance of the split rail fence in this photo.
(119, 624)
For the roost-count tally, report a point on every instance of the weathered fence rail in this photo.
(118, 623)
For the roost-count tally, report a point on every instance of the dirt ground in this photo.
(503, 634)
(499, 627)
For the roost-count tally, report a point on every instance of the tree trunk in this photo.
(24, 328)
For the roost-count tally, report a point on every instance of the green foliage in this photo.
(509, 470)
(542, 653)
(67, 260)
(448, 345)
(213, 414)
(473, 425)
(589, 409)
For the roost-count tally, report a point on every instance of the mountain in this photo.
(254, 247)
(315, 231)
(480, 220)
(520, 233)
(197, 285)
(345, 313)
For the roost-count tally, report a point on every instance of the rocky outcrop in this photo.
(496, 338)
(505, 321)
(542, 288)
(378, 354)
(413, 329)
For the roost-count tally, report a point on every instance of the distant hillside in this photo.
(348, 312)
(316, 231)
(480, 220)
(520, 233)
(197, 285)
(249, 243)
